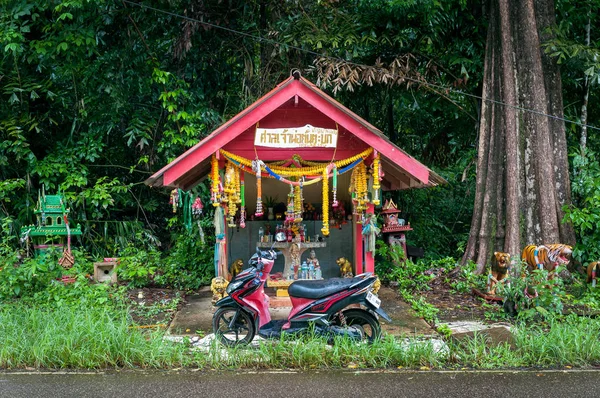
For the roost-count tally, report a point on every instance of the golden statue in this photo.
(217, 287)
(236, 267)
(345, 267)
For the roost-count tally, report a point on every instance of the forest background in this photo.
(96, 96)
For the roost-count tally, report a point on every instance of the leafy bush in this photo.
(31, 276)
(138, 266)
(189, 265)
(534, 295)
(584, 213)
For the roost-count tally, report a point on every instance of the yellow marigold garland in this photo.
(358, 188)
(302, 171)
(298, 206)
(376, 179)
(257, 170)
(215, 195)
(231, 190)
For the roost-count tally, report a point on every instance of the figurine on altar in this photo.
(295, 257)
(345, 267)
(313, 265)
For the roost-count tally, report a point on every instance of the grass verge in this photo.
(101, 337)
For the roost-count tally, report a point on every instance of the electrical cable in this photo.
(433, 85)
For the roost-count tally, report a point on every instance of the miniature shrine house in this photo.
(297, 102)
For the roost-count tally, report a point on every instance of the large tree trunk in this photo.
(522, 175)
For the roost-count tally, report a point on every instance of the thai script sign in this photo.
(296, 137)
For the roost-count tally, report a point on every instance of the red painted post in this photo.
(358, 248)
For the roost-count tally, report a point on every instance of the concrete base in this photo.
(494, 334)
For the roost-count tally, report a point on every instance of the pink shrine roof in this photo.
(296, 102)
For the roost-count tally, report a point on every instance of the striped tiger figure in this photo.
(546, 256)
(592, 270)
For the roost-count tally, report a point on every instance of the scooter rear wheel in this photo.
(366, 321)
(233, 326)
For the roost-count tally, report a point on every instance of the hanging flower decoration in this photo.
(197, 207)
(231, 191)
(242, 201)
(334, 202)
(256, 167)
(215, 195)
(298, 206)
(290, 212)
(358, 188)
(325, 228)
(376, 179)
(174, 199)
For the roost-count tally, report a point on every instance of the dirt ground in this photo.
(155, 307)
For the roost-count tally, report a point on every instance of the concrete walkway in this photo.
(195, 317)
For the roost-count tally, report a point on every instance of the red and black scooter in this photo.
(334, 307)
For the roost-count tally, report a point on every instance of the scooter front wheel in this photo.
(233, 327)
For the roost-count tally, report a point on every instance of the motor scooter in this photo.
(332, 307)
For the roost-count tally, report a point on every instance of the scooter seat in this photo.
(319, 288)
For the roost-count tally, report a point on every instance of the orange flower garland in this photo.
(376, 179)
(215, 195)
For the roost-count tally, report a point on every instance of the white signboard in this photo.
(296, 137)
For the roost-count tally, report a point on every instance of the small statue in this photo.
(498, 270)
(217, 287)
(312, 259)
(376, 286)
(236, 267)
(592, 272)
(345, 267)
(295, 257)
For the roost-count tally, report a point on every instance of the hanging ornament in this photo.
(174, 199)
(358, 187)
(334, 202)
(376, 179)
(290, 212)
(242, 201)
(298, 205)
(197, 207)
(230, 190)
(214, 191)
(256, 166)
(325, 228)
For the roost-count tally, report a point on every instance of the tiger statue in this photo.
(498, 270)
(546, 256)
(592, 271)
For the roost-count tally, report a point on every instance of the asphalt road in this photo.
(547, 384)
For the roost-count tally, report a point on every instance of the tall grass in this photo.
(102, 337)
(69, 337)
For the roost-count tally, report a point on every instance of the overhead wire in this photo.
(433, 85)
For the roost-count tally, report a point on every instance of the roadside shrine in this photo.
(296, 161)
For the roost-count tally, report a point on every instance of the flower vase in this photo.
(270, 215)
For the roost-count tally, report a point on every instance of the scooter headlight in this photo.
(233, 286)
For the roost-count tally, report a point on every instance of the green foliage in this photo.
(584, 213)
(467, 279)
(138, 266)
(189, 265)
(31, 276)
(533, 296)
